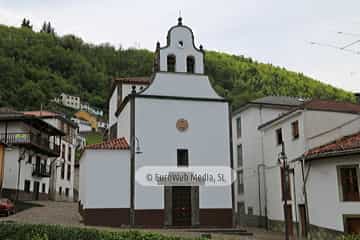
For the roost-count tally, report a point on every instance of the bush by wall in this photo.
(350, 237)
(14, 231)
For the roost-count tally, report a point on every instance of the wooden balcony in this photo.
(32, 141)
(41, 171)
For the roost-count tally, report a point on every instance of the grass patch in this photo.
(93, 137)
(16, 231)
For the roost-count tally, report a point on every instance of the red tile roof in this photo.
(331, 105)
(115, 144)
(133, 80)
(41, 113)
(344, 144)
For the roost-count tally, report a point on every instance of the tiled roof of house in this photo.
(331, 105)
(115, 144)
(41, 113)
(343, 145)
(320, 105)
(133, 80)
(280, 100)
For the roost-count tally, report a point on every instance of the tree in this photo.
(47, 28)
(26, 24)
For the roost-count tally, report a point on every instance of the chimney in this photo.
(357, 96)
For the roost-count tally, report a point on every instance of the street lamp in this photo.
(282, 158)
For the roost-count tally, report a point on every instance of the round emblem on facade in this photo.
(182, 125)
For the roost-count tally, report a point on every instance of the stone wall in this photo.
(319, 233)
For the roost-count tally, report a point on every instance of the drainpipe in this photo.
(132, 156)
(295, 204)
(261, 165)
(307, 224)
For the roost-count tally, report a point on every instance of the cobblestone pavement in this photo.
(65, 213)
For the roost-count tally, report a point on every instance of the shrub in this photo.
(350, 237)
(15, 231)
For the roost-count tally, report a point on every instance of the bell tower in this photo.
(180, 55)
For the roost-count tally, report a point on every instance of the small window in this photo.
(238, 127)
(349, 183)
(182, 157)
(29, 159)
(241, 208)
(63, 150)
(190, 64)
(352, 224)
(240, 180)
(295, 129)
(60, 191)
(69, 153)
(68, 172)
(250, 211)
(279, 137)
(171, 62)
(27, 186)
(239, 156)
(43, 187)
(67, 192)
(62, 170)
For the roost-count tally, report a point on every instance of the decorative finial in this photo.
(133, 91)
(180, 18)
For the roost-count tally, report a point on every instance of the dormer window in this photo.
(171, 61)
(190, 64)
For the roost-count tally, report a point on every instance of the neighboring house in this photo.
(248, 154)
(178, 120)
(84, 126)
(68, 101)
(308, 126)
(64, 166)
(28, 151)
(86, 107)
(84, 117)
(333, 186)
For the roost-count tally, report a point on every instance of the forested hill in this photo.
(36, 67)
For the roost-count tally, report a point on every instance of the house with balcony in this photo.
(63, 172)
(28, 152)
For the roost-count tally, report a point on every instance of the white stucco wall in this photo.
(207, 140)
(184, 34)
(113, 106)
(123, 123)
(182, 85)
(105, 179)
(251, 142)
(325, 206)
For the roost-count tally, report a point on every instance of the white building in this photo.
(311, 125)
(63, 173)
(84, 126)
(248, 154)
(27, 152)
(177, 120)
(68, 101)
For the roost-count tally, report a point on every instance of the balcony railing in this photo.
(30, 139)
(41, 170)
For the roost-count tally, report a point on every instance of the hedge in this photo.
(350, 237)
(16, 231)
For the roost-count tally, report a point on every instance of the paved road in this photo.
(65, 213)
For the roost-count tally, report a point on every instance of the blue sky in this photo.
(276, 31)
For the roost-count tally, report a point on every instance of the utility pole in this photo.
(285, 174)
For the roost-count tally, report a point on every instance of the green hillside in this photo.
(36, 67)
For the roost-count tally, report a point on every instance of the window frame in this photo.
(238, 127)
(27, 186)
(180, 158)
(340, 185)
(192, 58)
(295, 129)
(240, 156)
(173, 57)
(277, 131)
(240, 185)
